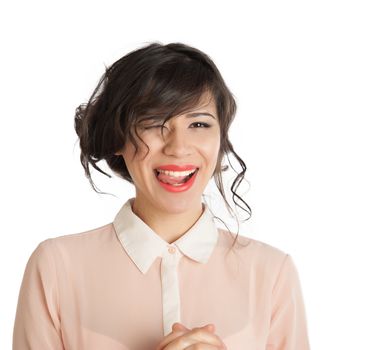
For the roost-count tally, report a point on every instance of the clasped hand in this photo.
(182, 338)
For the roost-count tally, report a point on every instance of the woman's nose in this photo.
(177, 143)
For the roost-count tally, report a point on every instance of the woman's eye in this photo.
(198, 126)
(204, 125)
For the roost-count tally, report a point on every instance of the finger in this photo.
(179, 327)
(170, 337)
(197, 335)
(179, 330)
(210, 327)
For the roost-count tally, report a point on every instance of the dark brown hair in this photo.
(153, 82)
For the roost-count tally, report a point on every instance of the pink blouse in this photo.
(121, 286)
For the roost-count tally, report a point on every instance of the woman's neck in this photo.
(168, 225)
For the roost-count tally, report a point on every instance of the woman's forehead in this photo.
(206, 102)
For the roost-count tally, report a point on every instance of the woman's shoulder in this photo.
(82, 239)
(250, 247)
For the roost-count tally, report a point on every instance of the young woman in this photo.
(161, 275)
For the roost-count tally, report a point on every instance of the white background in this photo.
(301, 74)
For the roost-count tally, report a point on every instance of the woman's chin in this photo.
(177, 205)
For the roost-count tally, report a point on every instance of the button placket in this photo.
(170, 288)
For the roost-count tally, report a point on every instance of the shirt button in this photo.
(171, 250)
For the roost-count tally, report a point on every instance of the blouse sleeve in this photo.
(288, 327)
(37, 323)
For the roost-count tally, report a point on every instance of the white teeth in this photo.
(176, 173)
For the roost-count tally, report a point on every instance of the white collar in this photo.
(143, 245)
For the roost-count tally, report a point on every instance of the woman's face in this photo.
(186, 141)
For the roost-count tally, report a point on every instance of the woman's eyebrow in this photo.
(197, 114)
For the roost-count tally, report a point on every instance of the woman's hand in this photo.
(183, 338)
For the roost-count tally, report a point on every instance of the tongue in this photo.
(170, 179)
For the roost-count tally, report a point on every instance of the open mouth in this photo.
(170, 180)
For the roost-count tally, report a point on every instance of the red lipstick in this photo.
(175, 167)
(179, 188)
